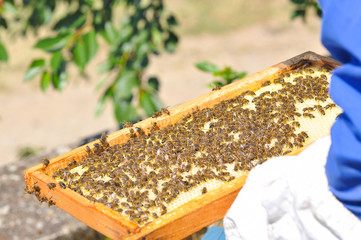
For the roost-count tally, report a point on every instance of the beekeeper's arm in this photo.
(299, 197)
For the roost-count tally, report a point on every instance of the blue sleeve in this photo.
(341, 35)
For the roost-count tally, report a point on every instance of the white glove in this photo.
(288, 198)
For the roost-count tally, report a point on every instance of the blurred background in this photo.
(37, 120)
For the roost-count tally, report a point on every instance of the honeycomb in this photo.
(155, 173)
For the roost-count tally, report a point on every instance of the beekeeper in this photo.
(317, 194)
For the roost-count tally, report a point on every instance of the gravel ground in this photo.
(22, 216)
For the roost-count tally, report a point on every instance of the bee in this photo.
(89, 151)
(231, 178)
(304, 134)
(154, 127)
(309, 115)
(125, 205)
(323, 76)
(267, 83)
(165, 111)
(164, 211)
(204, 190)
(299, 99)
(51, 185)
(103, 141)
(97, 149)
(50, 202)
(132, 133)
(139, 131)
(45, 162)
(330, 105)
(128, 125)
(144, 218)
(72, 163)
(216, 87)
(320, 98)
(307, 109)
(28, 191)
(36, 188)
(157, 114)
(279, 81)
(296, 124)
(42, 199)
(287, 152)
(62, 184)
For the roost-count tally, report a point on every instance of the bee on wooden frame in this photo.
(51, 185)
(216, 87)
(45, 162)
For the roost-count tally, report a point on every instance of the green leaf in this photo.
(143, 48)
(9, 7)
(56, 61)
(141, 62)
(59, 78)
(224, 74)
(156, 36)
(147, 104)
(124, 111)
(153, 83)
(318, 10)
(52, 44)
(47, 15)
(3, 54)
(125, 32)
(150, 103)
(171, 42)
(216, 83)
(239, 75)
(105, 66)
(298, 1)
(125, 83)
(157, 102)
(207, 67)
(80, 54)
(101, 104)
(71, 21)
(45, 81)
(110, 34)
(3, 22)
(172, 21)
(91, 44)
(101, 83)
(35, 67)
(142, 37)
(298, 13)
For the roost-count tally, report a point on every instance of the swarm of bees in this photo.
(35, 189)
(142, 178)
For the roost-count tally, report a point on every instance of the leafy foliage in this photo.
(225, 75)
(302, 7)
(144, 30)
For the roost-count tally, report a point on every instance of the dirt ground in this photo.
(30, 118)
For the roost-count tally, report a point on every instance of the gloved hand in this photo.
(288, 198)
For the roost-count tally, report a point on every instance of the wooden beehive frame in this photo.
(191, 216)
